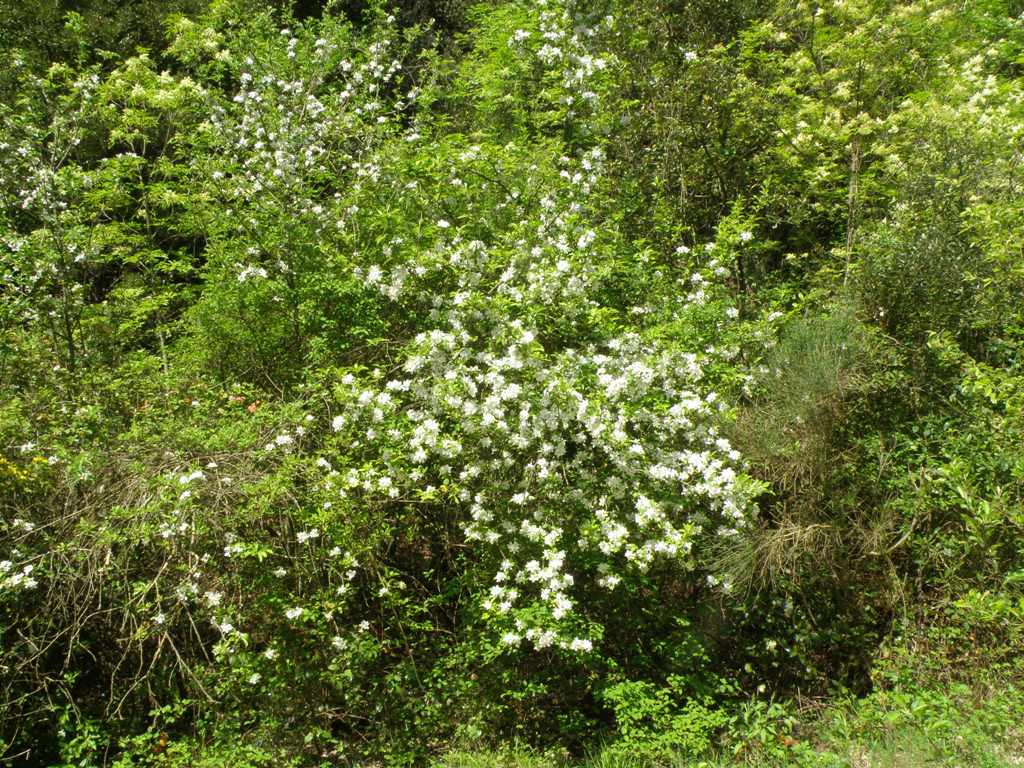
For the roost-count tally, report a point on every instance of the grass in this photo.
(956, 726)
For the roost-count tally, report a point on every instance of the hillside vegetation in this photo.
(533, 383)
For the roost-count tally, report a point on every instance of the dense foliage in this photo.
(384, 379)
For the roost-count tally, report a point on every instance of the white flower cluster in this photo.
(293, 122)
(15, 578)
(576, 465)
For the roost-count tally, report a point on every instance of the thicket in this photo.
(380, 379)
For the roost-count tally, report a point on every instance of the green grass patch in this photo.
(957, 726)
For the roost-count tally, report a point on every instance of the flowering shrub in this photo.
(575, 452)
